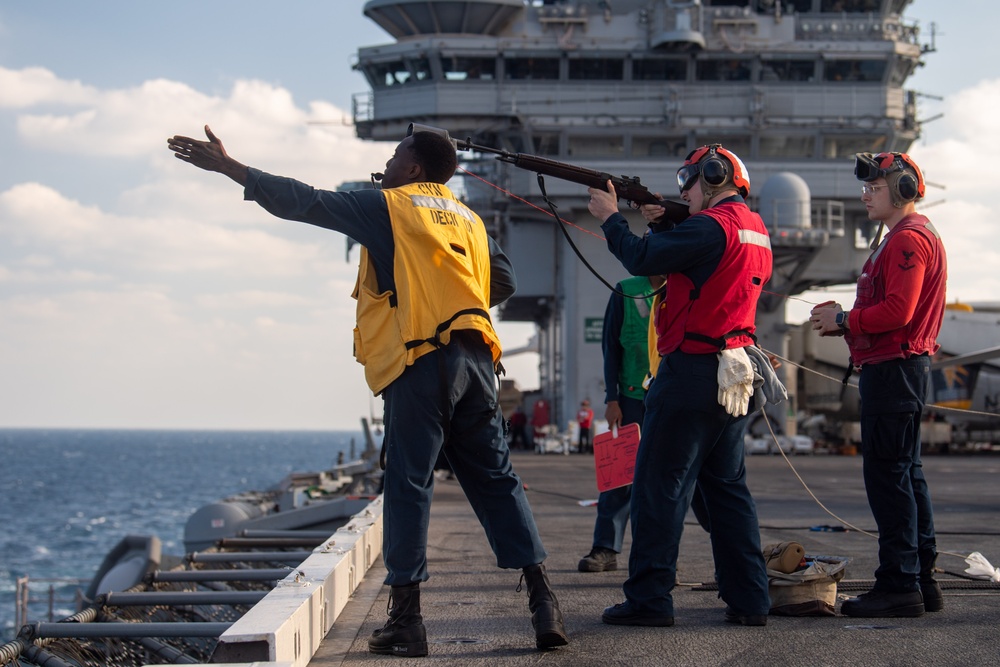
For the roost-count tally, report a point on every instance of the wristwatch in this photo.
(842, 319)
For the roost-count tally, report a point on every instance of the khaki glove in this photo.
(735, 381)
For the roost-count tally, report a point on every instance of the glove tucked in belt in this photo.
(735, 381)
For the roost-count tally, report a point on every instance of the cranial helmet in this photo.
(901, 174)
(716, 167)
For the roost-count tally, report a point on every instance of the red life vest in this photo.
(919, 335)
(719, 315)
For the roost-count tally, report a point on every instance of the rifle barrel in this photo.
(628, 188)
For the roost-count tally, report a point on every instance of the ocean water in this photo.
(68, 496)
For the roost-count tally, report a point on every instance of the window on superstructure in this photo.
(787, 70)
(787, 146)
(545, 144)
(588, 146)
(659, 147)
(730, 69)
(799, 6)
(901, 69)
(457, 68)
(854, 70)
(421, 69)
(846, 145)
(596, 69)
(522, 69)
(390, 74)
(849, 6)
(659, 69)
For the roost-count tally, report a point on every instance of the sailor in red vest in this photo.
(891, 333)
(716, 263)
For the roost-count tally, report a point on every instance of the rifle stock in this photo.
(626, 187)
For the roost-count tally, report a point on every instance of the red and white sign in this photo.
(614, 457)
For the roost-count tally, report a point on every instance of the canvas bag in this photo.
(808, 591)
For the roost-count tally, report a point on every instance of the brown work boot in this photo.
(599, 560)
(545, 615)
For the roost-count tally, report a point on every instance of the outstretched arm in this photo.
(208, 155)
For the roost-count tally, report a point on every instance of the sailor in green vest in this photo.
(626, 364)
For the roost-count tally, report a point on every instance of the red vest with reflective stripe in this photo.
(727, 302)
(919, 336)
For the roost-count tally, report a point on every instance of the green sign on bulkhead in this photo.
(593, 328)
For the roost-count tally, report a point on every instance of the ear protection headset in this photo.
(901, 173)
(715, 166)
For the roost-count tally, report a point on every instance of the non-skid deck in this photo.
(475, 616)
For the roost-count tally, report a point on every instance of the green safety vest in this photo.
(634, 337)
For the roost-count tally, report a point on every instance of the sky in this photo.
(138, 292)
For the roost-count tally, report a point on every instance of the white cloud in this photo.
(173, 302)
(37, 218)
(965, 211)
(33, 86)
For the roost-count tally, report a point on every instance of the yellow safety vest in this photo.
(441, 267)
(654, 353)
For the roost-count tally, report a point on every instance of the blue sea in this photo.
(68, 496)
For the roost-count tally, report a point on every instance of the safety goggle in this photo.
(687, 176)
(868, 167)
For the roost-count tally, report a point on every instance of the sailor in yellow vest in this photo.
(428, 276)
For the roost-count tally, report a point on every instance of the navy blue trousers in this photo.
(892, 400)
(688, 439)
(448, 398)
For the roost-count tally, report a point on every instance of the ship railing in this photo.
(852, 28)
(363, 113)
(30, 595)
(828, 214)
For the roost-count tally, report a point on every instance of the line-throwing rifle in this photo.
(626, 187)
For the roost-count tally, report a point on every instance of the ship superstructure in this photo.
(794, 87)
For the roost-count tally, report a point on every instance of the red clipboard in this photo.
(614, 458)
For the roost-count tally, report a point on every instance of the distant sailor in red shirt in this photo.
(585, 418)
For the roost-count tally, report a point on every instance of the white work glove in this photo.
(980, 567)
(735, 381)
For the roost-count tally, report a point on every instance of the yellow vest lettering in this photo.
(442, 274)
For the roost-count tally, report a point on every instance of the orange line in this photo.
(587, 231)
(525, 201)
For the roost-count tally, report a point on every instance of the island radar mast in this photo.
(794, 87)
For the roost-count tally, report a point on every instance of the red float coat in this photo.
(719, 315)
(901, 295)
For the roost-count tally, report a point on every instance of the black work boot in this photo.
(403, 634)
(545, 615)
(931, 589)
(884, 604)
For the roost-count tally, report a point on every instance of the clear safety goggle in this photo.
(687, 176)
